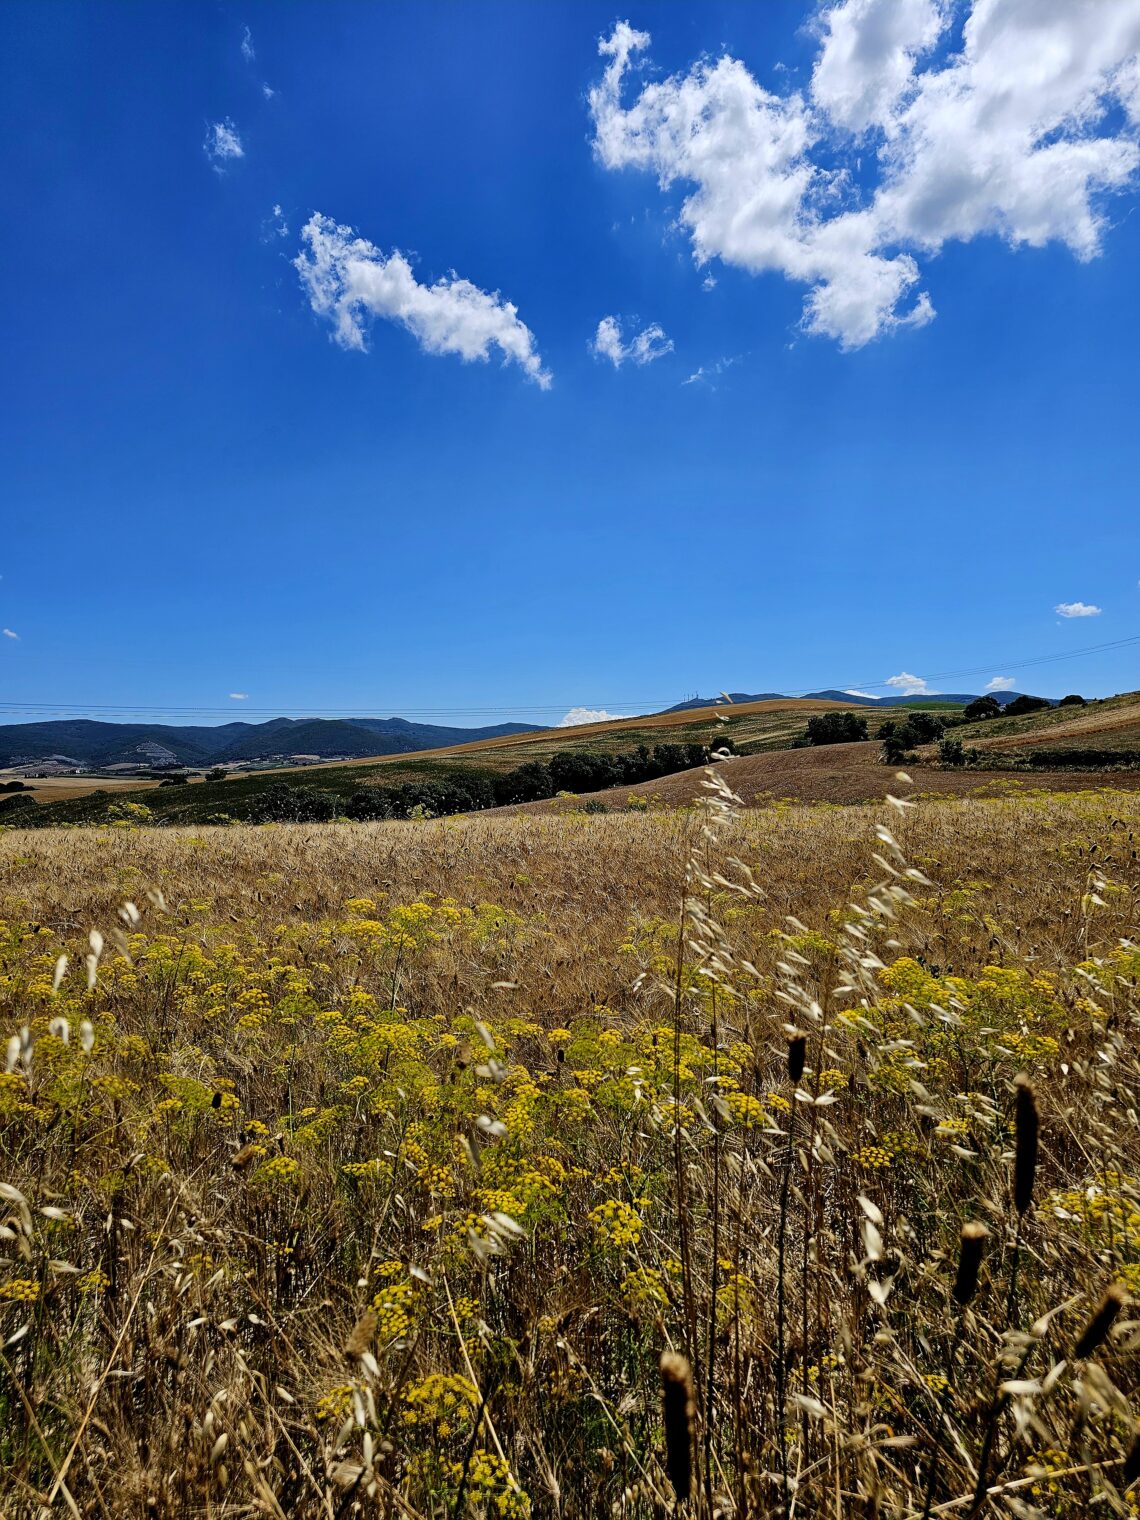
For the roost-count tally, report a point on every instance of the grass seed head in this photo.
(363, 1333)
(1025, 1123)
(677, 1400)
(797, 1053)
(973, 1241)
(1095, 1332)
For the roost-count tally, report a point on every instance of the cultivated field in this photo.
(371, 1169)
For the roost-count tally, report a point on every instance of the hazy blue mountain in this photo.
(94, 743)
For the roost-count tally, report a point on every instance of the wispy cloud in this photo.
(649, 344)
(578, 715)
(9, 634)
(239, 696)
(247, 51)
(1000, 683)
(910, 686)
(222, 144)
(850, 691)
(706, 374)
(1077, 609)
(1019, 130)
(267, 90)
(348, 280)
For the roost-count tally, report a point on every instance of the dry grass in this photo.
(373, 1169)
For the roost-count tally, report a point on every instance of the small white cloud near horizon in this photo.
(10, 634)
(1000, 683)
(850, 691)
(1077, 609)
(910, 686)
(247, 51)
(222, 144)
(649, 344)
(348, 279)
(239, 696)
(578, 715)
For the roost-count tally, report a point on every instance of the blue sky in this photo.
(910, 437)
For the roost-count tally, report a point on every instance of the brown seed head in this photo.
(1101, 1323)
(362, 1335)
(1132, 1460)
(1025, 1126)
(797, 1053)
(972, 1243)
(677, 1403)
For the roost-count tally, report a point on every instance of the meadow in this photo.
(715, 1161)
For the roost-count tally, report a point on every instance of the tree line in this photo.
(569, 771)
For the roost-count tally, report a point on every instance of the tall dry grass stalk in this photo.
(744, 1162)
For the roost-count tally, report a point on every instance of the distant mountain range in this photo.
(91, 743)
(831, 695)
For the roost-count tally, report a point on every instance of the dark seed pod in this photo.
(1025, 1125)
(972, 1243)
(1131, 1469)
(1101, 1323)
(797, 1054)
(216, 1100)
(677, 1403)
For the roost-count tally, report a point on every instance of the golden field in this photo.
(372, 1169)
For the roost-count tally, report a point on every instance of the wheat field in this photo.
(763, 1162)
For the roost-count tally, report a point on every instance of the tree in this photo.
(1021, 705)
(217, 773)
(982, 707)
(950, 752)
(1073, 700)
(836, 728)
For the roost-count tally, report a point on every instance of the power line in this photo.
(640, 706)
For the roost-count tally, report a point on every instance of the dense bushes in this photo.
(900, 736)
(836, 728)
(1022, 705)
(981, 707)
(567, 771)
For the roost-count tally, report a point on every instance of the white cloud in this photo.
(866, 64)
(911, 686)
(239, 696)
(222, 143)
(1013, 134)
(1000, 683)
(275, 225)
(850, 691)
(649, 344)
(267, 90)
(247, 46)
(8, 634)
(1077, 609)
(707, 373)
(578, 715)
(348, 279)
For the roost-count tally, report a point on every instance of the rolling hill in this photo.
(89, 742)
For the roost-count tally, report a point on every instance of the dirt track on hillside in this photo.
(845, 773)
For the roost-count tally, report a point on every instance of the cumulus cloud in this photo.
(902, 144)
(1000, 683)
(910, 686)
(9, 634)
(247, 51)
(222, 143)
(850, 691)
(649, 344)
(578, 715)
(348, 280)
(1077, 609)
(239, 696)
